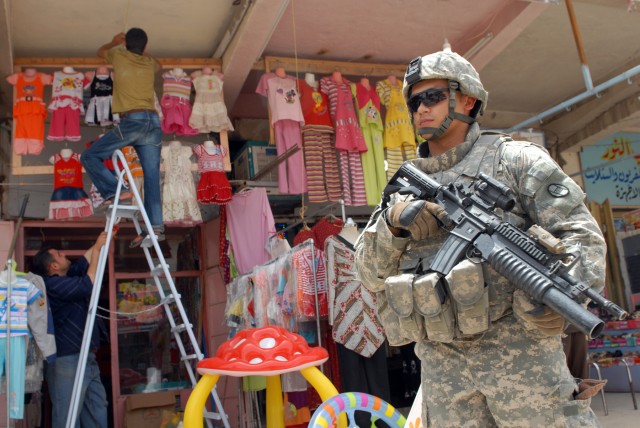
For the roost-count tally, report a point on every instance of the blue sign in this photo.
(611, 169)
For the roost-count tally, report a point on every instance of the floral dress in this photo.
(179, 205)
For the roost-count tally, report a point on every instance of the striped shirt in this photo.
(23, 293)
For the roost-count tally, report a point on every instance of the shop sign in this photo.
(611, 169)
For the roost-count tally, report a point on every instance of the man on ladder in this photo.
(134, 101)
(69, 286)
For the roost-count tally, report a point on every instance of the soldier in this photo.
(486, 359)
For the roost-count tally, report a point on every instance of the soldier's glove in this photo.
(419, 218)
(548, 321)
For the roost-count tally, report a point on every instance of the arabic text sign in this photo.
(611, 169)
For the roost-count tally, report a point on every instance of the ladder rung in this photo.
(180, 328)
(157, 271)
(212, 415)
(189, 357)
(126, 211)
(147, 242)
(169, 299)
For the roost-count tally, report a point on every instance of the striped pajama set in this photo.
(349, 139)
(323, 178)
(399, 136)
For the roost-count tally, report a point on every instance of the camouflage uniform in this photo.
(510, 375)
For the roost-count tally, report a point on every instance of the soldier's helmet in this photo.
(449, 66)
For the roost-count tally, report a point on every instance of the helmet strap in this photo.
(436, 132)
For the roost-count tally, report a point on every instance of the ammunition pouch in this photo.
(396, 313)
(471, 296)
(430, 300)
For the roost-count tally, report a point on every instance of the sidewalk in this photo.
(621, 411)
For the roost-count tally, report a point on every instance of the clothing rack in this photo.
(315, 214)
(301, 246)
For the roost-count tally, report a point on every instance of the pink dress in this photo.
(176, 107)
(348, 134)
(213, 187)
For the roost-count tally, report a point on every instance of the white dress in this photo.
(179, 204)
(209, 112)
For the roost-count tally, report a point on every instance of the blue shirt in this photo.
(69, 298)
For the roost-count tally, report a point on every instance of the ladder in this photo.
(172, 305)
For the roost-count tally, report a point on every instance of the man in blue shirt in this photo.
(69, 286)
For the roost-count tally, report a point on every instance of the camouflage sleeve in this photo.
(378, 252)
(556, 203)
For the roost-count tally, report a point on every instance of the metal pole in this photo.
(10, 264)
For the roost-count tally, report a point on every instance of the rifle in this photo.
(535, 262)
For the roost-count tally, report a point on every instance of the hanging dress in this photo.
(69, 200)
(399, 135)
(99, 108)
(209, 111)
(176, 107)
(179, 205)
(213, 187)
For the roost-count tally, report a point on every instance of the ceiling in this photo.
(528, 58)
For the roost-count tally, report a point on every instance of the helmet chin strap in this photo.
(436, 132)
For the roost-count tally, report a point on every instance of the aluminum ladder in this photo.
(171, 301)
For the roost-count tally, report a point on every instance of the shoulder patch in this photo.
(557, 190)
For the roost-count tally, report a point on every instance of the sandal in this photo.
(138, 240)
(109, 201)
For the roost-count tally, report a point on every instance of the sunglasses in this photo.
(428, 98)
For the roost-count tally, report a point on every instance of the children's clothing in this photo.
(321, 162)
(286, 118)
(213, 187)
(133, 162)
(99, 109)
(348, 133)
(176, 107)
(368, 105)
(66, 105)
(399, 135)
(352, 307)
(209, 111)
(349, 139)
(23, 294)
(179, 205)
(29, 112)
(250, 225)
(69, 200)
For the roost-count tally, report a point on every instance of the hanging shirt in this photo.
(23, 293)
(398, 129)
(250, 225)
(315, 108)
(352, 307)
(67, 90)
(284, 100)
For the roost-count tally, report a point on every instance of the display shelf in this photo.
(618, 369)
(615, 348)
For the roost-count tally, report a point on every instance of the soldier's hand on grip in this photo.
(419, 218)
(549, 322)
